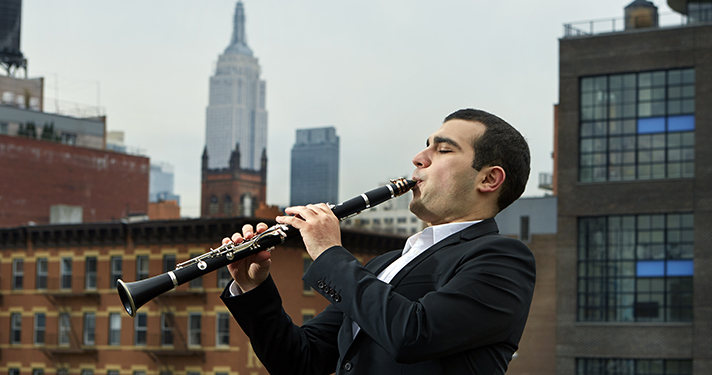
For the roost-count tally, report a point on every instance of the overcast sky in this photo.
(383, 72)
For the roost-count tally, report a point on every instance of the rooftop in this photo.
(618, 25)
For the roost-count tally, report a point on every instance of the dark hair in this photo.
(500, 145)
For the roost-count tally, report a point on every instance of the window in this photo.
(306, 263)
(87, 372)
(624, 366)
(117, 270)
(167, 324)
(307, 317)
(194, 329)
(112, 372)
(114, 329)
(89, 328)
(90, 273)
(37, 371)
(224, 277)
(637, 126)
(524, 228)
(40, 328)
(198, 281)
(227, 206)
(141, 267)
(65, 273)
(41, 282)
(169, 262)
(635, 268)
(15, 328)
(699, 11)
(18, 273)
(64, 329)
(13, 371)
(140, 329)
(213, 207)
(223, 329)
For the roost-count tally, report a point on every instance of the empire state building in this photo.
(236, 118)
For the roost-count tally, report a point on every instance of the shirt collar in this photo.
(436, 233)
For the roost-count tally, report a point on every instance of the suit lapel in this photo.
(476, 230)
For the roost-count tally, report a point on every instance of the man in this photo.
(454, 301)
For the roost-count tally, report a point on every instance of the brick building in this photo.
(232, 191)
(60, 312)
(634, 175)
(37, 175)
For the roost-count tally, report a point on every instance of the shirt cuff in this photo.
(235, 289)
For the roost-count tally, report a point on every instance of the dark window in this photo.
(18, 273)
(194, 325)
(65, 273)
(90, 273)
(41, 282)
(140, 329)
(223, 332)
(524, 228)
(15, 328)
(169, 262)
(635, 268)
(89, 328)
(40, 328)
(167, 324)
(117, 270)
(625, 366)
(141, 267)
(637, 126)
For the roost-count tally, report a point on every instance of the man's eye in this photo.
(444, 150)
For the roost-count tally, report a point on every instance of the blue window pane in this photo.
(651, 125)
(681, 123)
(679, 267)
(650, 268)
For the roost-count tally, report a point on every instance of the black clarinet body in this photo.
(135, 294)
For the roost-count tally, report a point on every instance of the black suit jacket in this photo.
(458, 308)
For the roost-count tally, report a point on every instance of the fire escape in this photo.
(71, 340)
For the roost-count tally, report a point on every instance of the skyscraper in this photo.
(315, 167)
(236, 113)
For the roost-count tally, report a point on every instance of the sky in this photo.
(384, 73)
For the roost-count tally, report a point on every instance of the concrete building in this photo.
(314, 176)
(60, 312)
(634, 190)
(236, 113)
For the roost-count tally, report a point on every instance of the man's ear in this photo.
(491, 179)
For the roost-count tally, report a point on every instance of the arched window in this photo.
(227, 206)
(247, 207)
(213, 208)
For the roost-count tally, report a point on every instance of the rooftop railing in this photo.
(614, 25)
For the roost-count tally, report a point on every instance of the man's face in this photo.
(447, 184)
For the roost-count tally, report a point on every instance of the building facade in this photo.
(314, 176)
(532, 220)
(233, 191)
(40, 178)
(635, 200)
(60, 312)
(236, 113)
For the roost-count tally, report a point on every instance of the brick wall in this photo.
(35, 175)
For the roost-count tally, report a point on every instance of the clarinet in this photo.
(135, 294)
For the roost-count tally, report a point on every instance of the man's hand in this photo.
(251, 271)
(318, 225)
